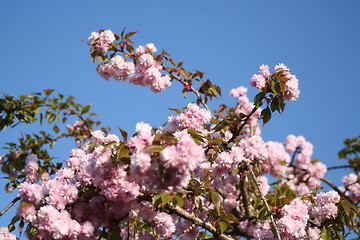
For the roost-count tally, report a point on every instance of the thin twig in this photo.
(338, 167)
(336, 189)
(197, 221)
(186, 231)
(12, 203)
(297, 150)
(238, 131)
(194, 91)
(252, 174)
(244, 197)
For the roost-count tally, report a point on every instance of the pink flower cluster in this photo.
(102, 40)
(227, 161)
(181, 159)
(51, 217)
(294, 218)
(277, 161)
(144, 70)
(352, 186)
(192, 118)
(295, 221)
(6, 235)
(254, 148)
(282, 74)
(325, 206)
(143, 137)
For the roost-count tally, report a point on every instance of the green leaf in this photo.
(325, 234)
(172, 62)
(37, 110)
(165, 53)
(48, 91)
(223, 226)
(56, 129)
(275, 104)
(177, 111)
(129, 34)
(230, 217)
(122, 152)
(11, 226)
(216, 199)
(130, 48)
(52, 118)
(179, 200)
(258, 99)
(153, 148)
(123, 133)
(165, 198)
(85, 109)
(156, 200)
(265, 115)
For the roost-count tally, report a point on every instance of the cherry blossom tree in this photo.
(203, 175)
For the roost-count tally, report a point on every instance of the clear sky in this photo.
(318, 40)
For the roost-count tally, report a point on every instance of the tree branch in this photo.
(336, 189)
(338, 167)
(252, 174)
(12, 203)
(238, 131)
(197, 221)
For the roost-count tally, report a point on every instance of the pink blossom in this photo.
(30, 192)
(291, 228)
(254, 148)
(294, 219)
(264, 70)
(193, 117)
(296, 209)
(65, 175)
(325, 207)
(122, 69)
(55, 224)
(282, 67)
(291, 143)
(350, 179)
(227, 161)
(313, 234)
(87, 229)
(165, 224)
(108, 36)
(143, 137)
(238, 92)
(94, 36)
(145, 49)
(6, 235)
(105, 70)
(27, 212)
(258, 81)
(97, 136)
(31, 168)
(327, 197)
(186, 155)
(264, 186)
(59, 193)
(140, 162)
(262, 231)
(292, 91)
(277, 161)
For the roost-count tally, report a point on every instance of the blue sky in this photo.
(228, 40)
